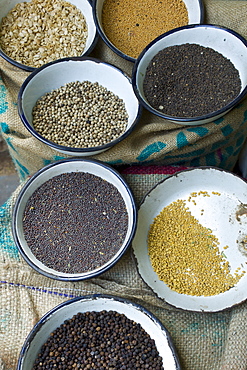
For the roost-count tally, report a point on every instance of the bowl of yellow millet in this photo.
(190, 242)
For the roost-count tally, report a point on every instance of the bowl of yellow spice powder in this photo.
(191, 241)
(36, 32)
(127, 26)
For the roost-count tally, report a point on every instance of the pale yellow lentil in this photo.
(185, 254)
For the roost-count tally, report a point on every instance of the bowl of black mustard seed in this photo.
(193, 74)
(36, 32)
(108, 333)
(127, 26)
(74, 219)
(79, 106)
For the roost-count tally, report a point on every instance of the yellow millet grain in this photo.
(131, 25)
(185, 254)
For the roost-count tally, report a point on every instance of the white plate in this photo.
(98, 302)
(225, 215)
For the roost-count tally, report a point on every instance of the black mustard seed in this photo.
(75, 222)
(99, 340)
(190, 80)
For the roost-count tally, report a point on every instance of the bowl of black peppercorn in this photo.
(99, 332)
(79, 106)
(74, 219)
(193, 74)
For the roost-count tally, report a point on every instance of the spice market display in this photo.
(73, 228)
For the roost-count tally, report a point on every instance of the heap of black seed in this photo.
(190, 80)
(75, 222)
(99, 340)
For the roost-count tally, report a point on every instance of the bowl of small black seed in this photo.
(79, 106)
(127, 26)
(74, 219)
(193, 74)
(100, 332)
(36, 32)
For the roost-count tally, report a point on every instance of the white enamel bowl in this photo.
(54, 318)
(224, 214)
(56, 74)
(223, 40)
(195, 10)
(94, 167)
(84, 5)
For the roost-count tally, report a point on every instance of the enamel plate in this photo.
(224, 212)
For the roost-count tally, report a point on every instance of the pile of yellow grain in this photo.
(185, 254)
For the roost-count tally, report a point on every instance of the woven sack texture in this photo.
(204, 341)
(154, 140)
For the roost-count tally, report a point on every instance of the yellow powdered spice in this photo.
(185, 254)
(132, 25)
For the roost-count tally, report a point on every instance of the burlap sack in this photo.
(155, 140)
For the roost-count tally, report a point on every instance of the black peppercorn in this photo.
(99, 340)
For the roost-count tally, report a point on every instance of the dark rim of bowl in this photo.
(37, 327)
(92, 273)
(68, 148)
(31, 69)
(111, 45)
(185, 119)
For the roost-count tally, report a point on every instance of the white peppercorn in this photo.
(80, 115)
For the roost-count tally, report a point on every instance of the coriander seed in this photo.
(80, 115)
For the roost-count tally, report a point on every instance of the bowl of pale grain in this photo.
(35, 32)
(127, 27)
(79, 106)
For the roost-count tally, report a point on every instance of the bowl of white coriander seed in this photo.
(193, 74)
(79, 106)
(109, 332)
(36, 32)
(74, 219)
